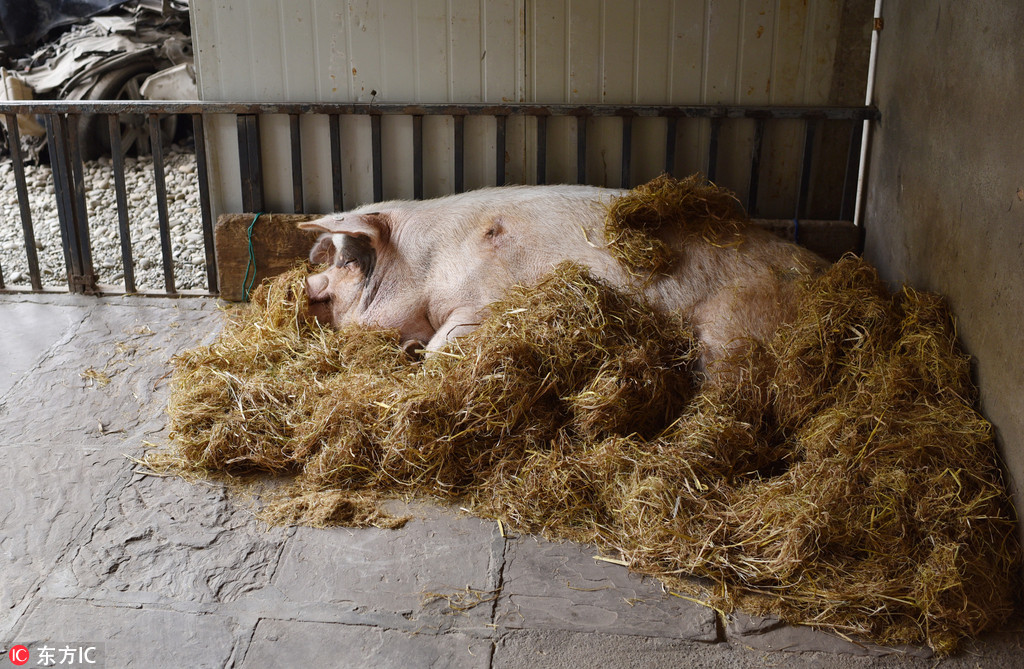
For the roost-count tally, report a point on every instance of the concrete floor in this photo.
(157, 572)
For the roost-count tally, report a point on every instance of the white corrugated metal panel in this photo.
(548, 51)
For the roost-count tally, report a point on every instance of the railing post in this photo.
(121, 194)
(336, 163)
(670, 145)
(74, 228)
(417, 156)
(581, 149)
(14, 139)
(202, 174)
(156, 144)
(627, 151)
(716, 126)
(542, 149)
(803, 187)
(459, 121)
(755, 167)
(250, 161)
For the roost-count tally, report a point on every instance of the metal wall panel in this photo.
(548, 51)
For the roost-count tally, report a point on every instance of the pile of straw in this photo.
(644, 228)
(854, 487)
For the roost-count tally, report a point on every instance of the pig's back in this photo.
(473, 246)
(506, 235)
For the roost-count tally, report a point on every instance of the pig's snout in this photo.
(319, 306)
(316, 288)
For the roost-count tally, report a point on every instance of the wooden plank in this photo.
(277, 245)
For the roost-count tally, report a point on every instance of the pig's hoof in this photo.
(414, 348)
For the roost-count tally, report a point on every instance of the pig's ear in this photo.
(323, 250)
(375, 227)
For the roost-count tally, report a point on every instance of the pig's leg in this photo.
(461, 322)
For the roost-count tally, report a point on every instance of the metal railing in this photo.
(61, 120)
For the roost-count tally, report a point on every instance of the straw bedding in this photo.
(848, 482)
(638, 227)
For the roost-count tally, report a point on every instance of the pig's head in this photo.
(347, 248)
(362, 281)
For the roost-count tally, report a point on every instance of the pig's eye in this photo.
(347, 262)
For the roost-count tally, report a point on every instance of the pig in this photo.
(429, 268)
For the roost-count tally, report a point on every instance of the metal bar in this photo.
(805, 169)
(627, 150)
(869, 95)
(378, 169)
(581, 149)
(858, 113)
(847, 205)
(14, 138)
(156, 144)
(417, 157)
(121, 193)
(542, 149)
(56, 133)
(81, 217)
(460, 153)
(202, 176)
(339, 192)
(244, 170)
(499, 150)
(298, 203)
(254, 143)
(716, 126)
(670, 145)
(755, 167)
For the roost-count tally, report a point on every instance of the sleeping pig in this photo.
(430, 268)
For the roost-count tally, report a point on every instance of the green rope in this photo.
(246, 281)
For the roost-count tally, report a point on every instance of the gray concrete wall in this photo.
(945, 203)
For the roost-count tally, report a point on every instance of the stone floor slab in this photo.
(51, 496)
(134, 637)
(556, 649)
(439, 551)
(165, 540)
(28, 329)
(771, 634)
(278, 643)
(551, 585)
(107, 380)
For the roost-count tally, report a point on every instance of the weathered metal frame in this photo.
(61, 119)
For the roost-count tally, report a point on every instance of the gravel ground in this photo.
(101, 206)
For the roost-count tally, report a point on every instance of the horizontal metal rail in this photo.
(61, 119)
(439, 109)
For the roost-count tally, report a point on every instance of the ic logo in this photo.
(18, 655)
